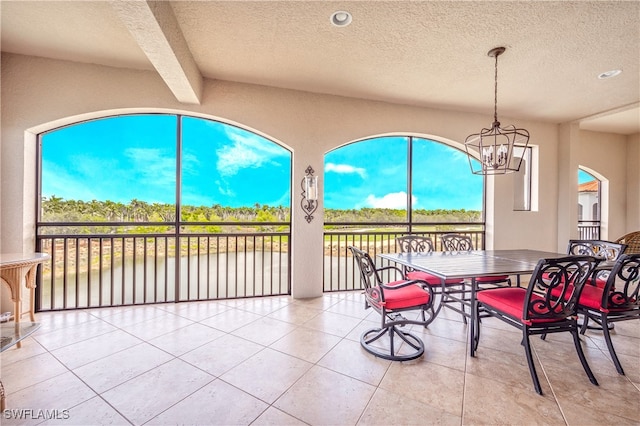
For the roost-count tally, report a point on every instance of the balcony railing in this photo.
(589, 229)
(339, 271)
(122, 268)
(118, 268)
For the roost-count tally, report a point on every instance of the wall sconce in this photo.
(309, 202)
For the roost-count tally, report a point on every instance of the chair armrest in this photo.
(425, 286)
(386, 268)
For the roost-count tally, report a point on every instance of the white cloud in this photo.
(189, 162)
(247, 150)
(393, 200)
(154, 167)
(57, 181)
(345, 169)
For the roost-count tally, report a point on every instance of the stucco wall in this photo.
(633, 183)
(606, 154)
(39, 94)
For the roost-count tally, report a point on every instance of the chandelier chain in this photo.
(495, 92)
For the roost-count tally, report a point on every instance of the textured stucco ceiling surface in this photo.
(423, 53)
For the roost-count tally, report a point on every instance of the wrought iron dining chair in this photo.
(459, 243)
(618, 300)
(391, 300)
(535, 310)
(422, 244)
(606, 250)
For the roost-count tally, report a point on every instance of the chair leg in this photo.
(476, 337)
(585, 321)
(444, 300)
(583, 359)
(370, 336)
(432, 316)
(532, 367)
(612, 351)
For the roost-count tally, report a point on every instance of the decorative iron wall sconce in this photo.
(309, 202)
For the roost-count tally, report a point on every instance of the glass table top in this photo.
(11, 333)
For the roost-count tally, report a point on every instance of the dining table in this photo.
(470, 265)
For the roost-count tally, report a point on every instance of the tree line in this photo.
(57, 209)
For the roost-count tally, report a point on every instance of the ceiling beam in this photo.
(157, 32)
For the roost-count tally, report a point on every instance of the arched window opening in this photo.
(380, 188)
(122, 198)
(589, 193)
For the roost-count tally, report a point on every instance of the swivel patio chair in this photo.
(458, 243)
(390, 300)
(535, 310)
(618, 300)
(422, 244)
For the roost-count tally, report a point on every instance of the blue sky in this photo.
(373, 173)
(133, 157)
(584, 177)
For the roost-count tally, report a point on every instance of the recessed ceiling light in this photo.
(609, 74)
(340, 18)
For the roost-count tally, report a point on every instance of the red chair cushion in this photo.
(432, 279)
(405, 297)
(598, 282)
(509, 300)
(591, 295)
(492, 279)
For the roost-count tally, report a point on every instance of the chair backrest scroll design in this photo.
(456, 242)
(368, 273)
(605, 250)
(414, 244)
(622, 290)
(559, 282)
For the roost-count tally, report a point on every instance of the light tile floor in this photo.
(282, 361)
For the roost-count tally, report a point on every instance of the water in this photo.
(227, 275)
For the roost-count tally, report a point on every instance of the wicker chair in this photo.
(632, 240)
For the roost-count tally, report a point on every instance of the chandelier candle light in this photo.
(496, 145)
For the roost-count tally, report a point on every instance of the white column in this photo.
(307, 238)
(568, 144)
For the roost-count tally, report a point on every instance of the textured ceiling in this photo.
(425, 53)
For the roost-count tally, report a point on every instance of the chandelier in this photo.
(496, 144)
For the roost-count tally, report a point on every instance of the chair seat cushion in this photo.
(591, 298)
(432, 279)
(405, 297)
(510, 300)
(598, 282)
(498, 278)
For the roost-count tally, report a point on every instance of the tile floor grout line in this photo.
(599, 350)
